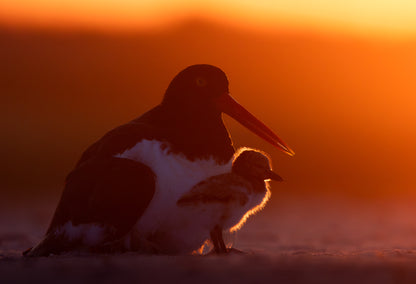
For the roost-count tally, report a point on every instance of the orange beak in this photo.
(231, 107)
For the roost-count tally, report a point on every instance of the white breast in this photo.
(175, 175)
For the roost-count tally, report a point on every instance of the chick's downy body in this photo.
(224, 202)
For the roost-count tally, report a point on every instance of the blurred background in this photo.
(335, 79)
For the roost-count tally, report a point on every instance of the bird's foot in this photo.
(235, 251)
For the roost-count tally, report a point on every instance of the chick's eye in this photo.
(201, 82)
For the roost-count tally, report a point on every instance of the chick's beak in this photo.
(273, 176)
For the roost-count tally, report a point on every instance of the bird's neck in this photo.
(196, 134)
(259, 185)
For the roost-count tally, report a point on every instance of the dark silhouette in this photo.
(116, 182)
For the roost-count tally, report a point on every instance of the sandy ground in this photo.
(320, 240)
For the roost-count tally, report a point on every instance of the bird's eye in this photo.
(201, 82)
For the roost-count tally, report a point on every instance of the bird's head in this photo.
(203, 90)
(198, 87)
(254, 164)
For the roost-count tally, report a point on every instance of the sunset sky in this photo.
(320, 73)
(382, 17)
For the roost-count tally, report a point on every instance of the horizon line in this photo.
(195, 19)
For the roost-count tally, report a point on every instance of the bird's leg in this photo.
(214, 239)
(221, 241)
(217, 240)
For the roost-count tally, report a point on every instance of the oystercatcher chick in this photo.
(224, 202)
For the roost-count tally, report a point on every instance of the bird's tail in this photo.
(51, 244)
(57, 244)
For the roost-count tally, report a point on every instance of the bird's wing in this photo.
(113, 192)
(221, 189)
(105, 189)
(119, 139)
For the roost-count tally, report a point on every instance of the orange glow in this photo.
(259, 207)
(384, 17)
(344, 102)
(254, 210)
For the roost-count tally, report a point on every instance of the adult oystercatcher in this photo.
(224, 202)
(127, 183)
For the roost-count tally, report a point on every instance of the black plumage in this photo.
(113, 192)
